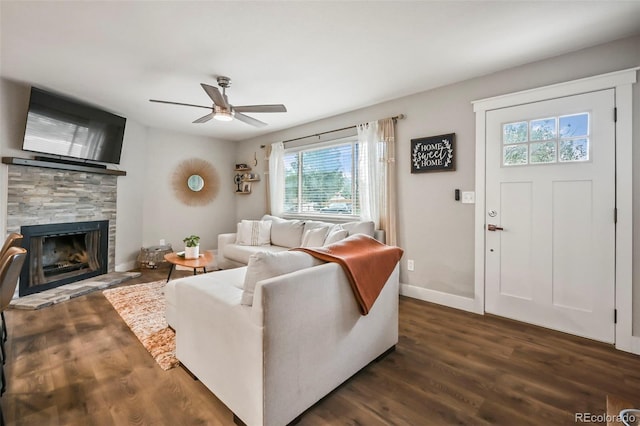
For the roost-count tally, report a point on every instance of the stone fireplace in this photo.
(38, 196)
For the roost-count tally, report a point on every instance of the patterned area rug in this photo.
(142, 307)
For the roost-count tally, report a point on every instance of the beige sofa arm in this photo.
(223, 240)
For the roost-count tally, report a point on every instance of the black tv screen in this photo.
(61, 126)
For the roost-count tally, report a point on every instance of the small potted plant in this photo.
(191, 247)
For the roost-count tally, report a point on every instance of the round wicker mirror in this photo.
(195, 182)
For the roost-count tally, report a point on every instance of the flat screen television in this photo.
(64, 127)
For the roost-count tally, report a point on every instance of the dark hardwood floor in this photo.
(77, 363)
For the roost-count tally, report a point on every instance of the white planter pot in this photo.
(191, 252)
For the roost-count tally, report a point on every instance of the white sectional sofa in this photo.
(286, 234)
(264, 361)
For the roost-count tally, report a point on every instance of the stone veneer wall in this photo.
(39, 196)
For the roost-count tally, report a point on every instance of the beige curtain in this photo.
(388, 202)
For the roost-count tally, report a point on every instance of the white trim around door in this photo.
(622, 82)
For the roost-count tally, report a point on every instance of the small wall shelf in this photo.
(243, 180)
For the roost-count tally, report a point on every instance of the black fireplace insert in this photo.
(62, 253)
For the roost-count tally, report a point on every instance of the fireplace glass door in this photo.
(62, 253)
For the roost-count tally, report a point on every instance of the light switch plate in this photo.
(468, 197)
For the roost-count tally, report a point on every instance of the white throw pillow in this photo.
(336, 235)
(254, 233)
(284, 232)
(266, 265)
(314, 237)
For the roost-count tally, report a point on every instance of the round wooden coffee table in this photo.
(201, 262)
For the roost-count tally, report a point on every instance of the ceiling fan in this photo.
(222, 110)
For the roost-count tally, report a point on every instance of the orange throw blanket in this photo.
(367, 263)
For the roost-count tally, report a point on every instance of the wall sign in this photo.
(433, 154)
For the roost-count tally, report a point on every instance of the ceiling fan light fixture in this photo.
(222, 114)
(222, 110)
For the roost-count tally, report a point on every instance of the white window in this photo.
(321, 179)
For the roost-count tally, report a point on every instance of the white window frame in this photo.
(353, 140)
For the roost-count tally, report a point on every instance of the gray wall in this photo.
(165, 217)
(434, 230)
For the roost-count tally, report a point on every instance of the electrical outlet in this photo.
(410, 265)
(469, 197)
(162, 242)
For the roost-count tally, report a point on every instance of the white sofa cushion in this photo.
(314, 237)
(241, 254)
(254, 233)
(367, 228)
(285, 233)
(264, 265)
(231, 277)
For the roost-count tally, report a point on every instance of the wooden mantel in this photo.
(77, 167)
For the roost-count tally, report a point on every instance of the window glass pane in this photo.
(322, 180)
(327, 180)
(514, 155)
(574, 125)
(514, 132)
(574, 150)
(542, 152)
(543, 130)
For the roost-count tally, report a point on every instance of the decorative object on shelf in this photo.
(246, 187)
(238, 181)
(152, 257)
(242, 166)
(250, 177)
(191, 247)
(433, 154)
(195, 182)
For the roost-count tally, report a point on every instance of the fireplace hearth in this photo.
(63, 253)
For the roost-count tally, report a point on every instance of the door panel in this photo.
(551, 187)
(516, 208)
(572, 245)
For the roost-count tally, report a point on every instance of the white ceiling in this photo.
(318, 58)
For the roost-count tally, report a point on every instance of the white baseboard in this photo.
(439, 297)
(127, 266)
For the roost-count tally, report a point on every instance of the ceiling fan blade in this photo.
(260, 108)
(178, 103)
(249, 120)
(204, 118)
(215, 95)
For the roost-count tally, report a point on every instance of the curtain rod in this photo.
(395, 117)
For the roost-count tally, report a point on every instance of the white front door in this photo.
(550, 200)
